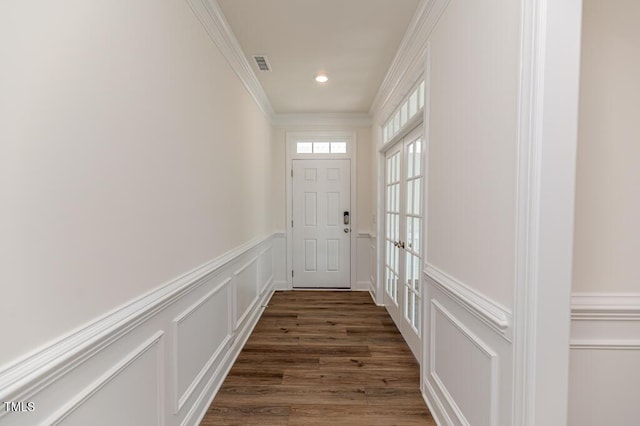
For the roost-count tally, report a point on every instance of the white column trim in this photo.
(547, 136)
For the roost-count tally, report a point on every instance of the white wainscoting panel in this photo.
(201, 335)
(280, 273)
(363, 263)
(468, 360)
(246, 284)
(158, 360)
(266, 269)
(139, 373)
(373, 267)
(604, 363)
(476, 363)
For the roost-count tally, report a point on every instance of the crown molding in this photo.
(322, 119)
(408, 64)
(215, 24)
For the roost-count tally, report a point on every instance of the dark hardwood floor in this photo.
(322, 358)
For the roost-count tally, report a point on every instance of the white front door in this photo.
(321, 223)
(403, 234)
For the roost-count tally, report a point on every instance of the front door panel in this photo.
(321, 223)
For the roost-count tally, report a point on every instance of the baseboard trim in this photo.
(281, 286)
(435, 406)
(362, 286)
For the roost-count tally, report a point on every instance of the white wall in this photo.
(605, 350)
(472, 145)
(607, 233)
(129, 152)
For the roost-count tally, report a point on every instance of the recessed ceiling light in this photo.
(322, 78)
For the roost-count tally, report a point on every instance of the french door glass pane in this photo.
(418, 158)
(417, 196)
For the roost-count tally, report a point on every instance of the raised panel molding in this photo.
(457, 321)
(65, 379)
(181, 398)
(280, 261)
(246, 279)
(473, 339)
(490, 312)
(363, 263)
(70, 407)
(266, 268)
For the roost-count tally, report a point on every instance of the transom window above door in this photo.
(324, 147)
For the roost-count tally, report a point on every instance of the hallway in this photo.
(468, 170)
(318, 358)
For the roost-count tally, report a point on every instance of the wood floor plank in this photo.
(319, 358)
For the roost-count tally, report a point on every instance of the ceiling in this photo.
(353, 41)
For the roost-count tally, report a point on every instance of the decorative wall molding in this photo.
(204, 400)
(454, 325)
(215, 24)
(180, 400)
(604, 344)
(436, 307)
(241, 316)
(328, 119)
(37, 370)
(491, 313)
(605, 306)
(604, 358)
(111, 374)
(408, 64)
(63, 368)
(605, 321)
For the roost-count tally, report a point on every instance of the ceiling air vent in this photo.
(262, 62)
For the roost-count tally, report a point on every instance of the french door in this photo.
(404, 183)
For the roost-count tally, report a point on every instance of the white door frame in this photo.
(319, 136)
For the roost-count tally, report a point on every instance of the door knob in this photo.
(346, 230)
